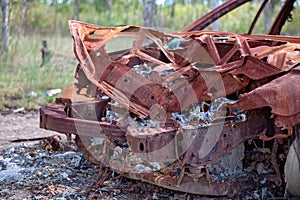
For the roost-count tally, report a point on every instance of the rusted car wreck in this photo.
(202, 112)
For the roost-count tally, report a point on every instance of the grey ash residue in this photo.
(31, 172)
(201, 115)
(45, 173)
(204, 117)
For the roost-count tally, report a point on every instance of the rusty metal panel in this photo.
(281, 94)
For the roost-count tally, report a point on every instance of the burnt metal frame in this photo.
(63, 117)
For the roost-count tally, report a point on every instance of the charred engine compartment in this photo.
(202, 112)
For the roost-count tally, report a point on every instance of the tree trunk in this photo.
(267, 15)
(173, 9)
(111, 12)
(214, 4)
(77, 9)
(148, 11)
(5, 28)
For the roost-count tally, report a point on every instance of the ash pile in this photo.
(40, 172)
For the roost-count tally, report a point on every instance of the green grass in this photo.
(21, 74)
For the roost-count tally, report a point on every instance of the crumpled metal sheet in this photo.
(281, 94)
(200, 60)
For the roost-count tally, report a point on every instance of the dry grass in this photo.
(21, 71)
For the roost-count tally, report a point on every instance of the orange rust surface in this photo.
(235, 60)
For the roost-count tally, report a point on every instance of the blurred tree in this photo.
(5, 25)
(214, 4)
(77, 9)
(23, 16)
(267, 15)
(173, 9)
(268, 11)
(148, 11)
(101, 5)
(105, 8)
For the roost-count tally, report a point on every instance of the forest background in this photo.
(26, 23)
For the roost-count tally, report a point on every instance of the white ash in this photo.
(12, 172)
(261, 168)
(127, 161)
(142, 168)
(118, 151)
(216, 109)
(26, 167)
(145, 70)
(155, 165)
(142, 69)
(138, 122)
(96, 141)
(104, 97)
(110, 116)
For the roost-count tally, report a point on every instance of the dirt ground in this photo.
(20, 127)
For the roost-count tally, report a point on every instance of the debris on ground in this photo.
(42, 173)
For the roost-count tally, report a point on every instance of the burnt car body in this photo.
(203, 112)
